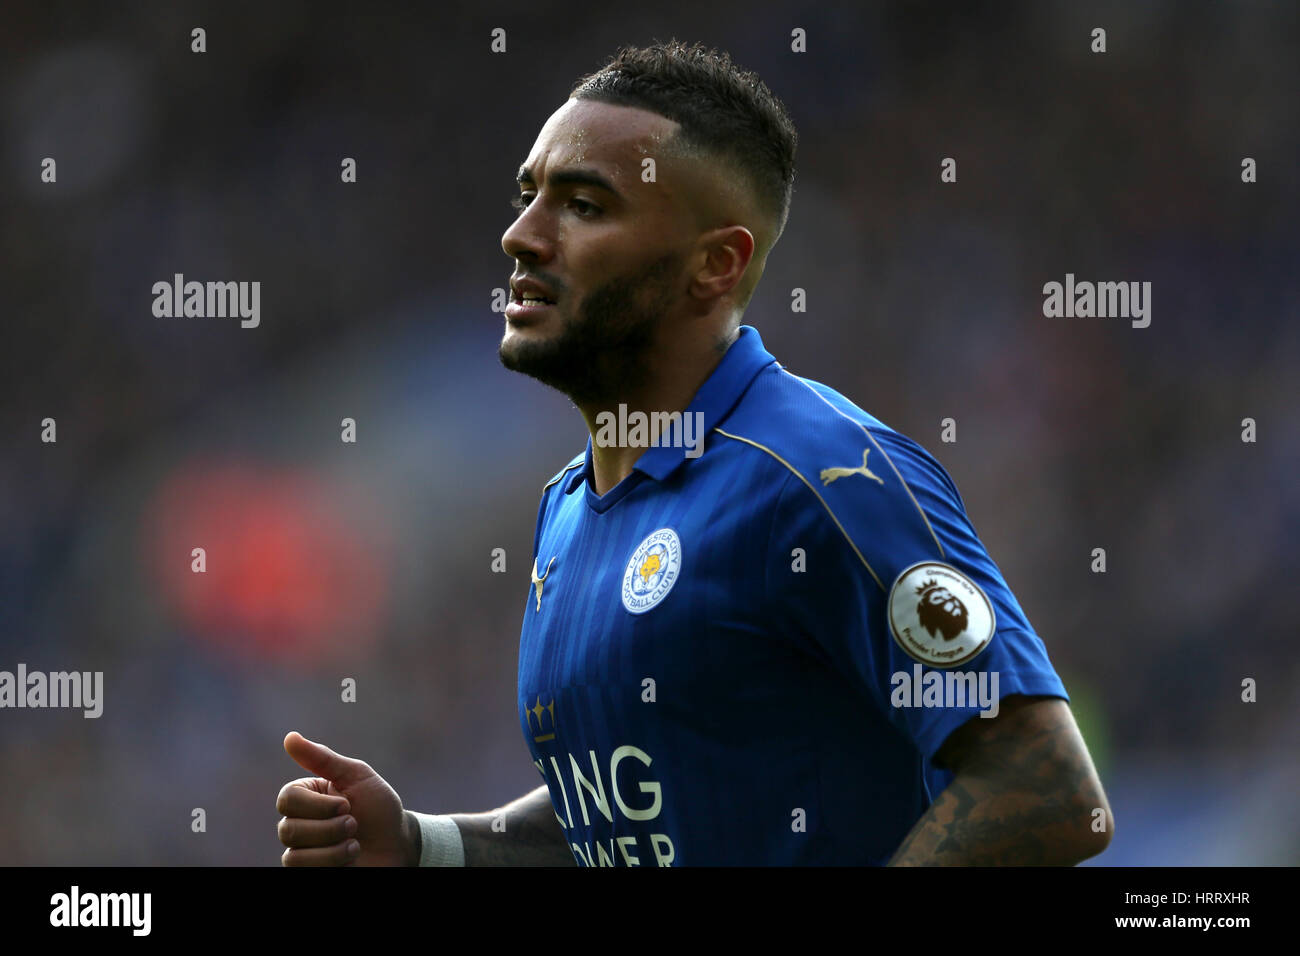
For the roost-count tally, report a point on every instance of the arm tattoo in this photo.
(532, 836)
(1023, 793)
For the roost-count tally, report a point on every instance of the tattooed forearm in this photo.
(1024, 793)
(531, 835)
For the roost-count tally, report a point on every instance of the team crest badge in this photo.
(938, 615)
(652, 571)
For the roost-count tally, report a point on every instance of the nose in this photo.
(528, 237)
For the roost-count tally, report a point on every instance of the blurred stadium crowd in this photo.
(372, 560)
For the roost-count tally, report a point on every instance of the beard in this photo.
(601, 352)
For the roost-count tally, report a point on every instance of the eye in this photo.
(585, 210)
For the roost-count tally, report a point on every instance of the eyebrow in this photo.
(572, 177)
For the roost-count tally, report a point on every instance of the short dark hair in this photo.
(722, 110)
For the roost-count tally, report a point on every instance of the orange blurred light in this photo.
(288, 577)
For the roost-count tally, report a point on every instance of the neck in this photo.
(675, 372)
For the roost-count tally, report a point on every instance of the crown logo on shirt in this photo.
(537, 712)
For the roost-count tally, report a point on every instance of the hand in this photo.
(347, 815)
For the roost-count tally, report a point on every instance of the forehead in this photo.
(587, 133)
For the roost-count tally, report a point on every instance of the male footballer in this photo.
(760, 628)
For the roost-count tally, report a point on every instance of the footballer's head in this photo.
(647, 208)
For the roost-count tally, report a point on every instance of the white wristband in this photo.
(440, 841)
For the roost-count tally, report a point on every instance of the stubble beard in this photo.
(601, 354)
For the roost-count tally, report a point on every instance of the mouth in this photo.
(528, 306)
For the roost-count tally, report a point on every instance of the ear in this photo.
(728, 252)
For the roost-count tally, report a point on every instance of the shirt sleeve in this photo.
(897, 592)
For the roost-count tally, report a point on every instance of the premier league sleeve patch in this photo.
(938, 615)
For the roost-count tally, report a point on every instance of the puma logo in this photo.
(537, 582)
(830, 474)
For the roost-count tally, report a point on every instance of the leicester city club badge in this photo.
(652, 571)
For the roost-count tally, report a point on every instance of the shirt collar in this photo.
(715, 399)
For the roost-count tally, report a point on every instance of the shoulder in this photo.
(555, 485)
(848, 477)
(829, 444)
(575, 462)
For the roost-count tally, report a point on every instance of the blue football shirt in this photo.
(750, 653)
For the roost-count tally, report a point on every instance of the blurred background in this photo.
(372, 560)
